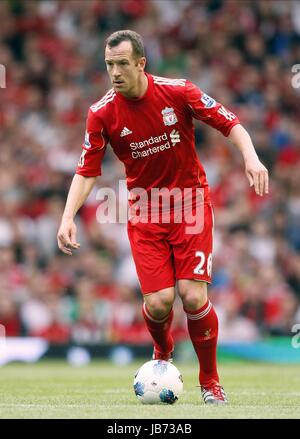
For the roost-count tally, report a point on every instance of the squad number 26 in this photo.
(200, 268)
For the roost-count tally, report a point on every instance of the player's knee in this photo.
(159, 305)
(193, 295)
(192, 300)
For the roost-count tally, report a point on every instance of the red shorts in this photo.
(165, 252)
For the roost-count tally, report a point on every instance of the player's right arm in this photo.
(89, 167)
(79, 191)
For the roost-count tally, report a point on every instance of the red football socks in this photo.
(160, 331)
(203, 330)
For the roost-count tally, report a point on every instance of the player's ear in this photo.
(142, 64)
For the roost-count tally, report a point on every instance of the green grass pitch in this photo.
(103, 390)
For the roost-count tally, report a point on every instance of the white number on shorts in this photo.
(199, 269)
(209, 264)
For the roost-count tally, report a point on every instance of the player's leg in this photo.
(193, 262)
(158, 315)
(202, 326)
(152, 255)
(203, 329)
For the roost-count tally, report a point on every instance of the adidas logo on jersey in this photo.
(125, 132)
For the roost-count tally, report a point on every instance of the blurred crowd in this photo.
(239, 52)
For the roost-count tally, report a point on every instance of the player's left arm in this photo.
(213, 113)
(256, 172)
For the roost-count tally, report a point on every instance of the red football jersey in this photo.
(153, 135)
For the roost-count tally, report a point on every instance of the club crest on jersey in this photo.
(169, 116)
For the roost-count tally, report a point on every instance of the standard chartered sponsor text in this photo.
(136, 147)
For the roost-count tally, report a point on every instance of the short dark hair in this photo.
(127, 35)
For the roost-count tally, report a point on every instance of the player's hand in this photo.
(257, 175)
(66, 236)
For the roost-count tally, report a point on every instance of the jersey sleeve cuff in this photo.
(227, 132)
(87, 173)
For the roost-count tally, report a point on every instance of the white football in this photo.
(158, 381)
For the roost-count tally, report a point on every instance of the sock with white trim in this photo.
(203, 330)
(160, 331)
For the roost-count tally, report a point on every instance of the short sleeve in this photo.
(208, 110)
(93, 147)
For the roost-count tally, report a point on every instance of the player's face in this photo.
(124, 69)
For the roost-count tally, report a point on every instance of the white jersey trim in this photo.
(168, 81)
(110, 95)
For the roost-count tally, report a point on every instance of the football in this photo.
(158, 382)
